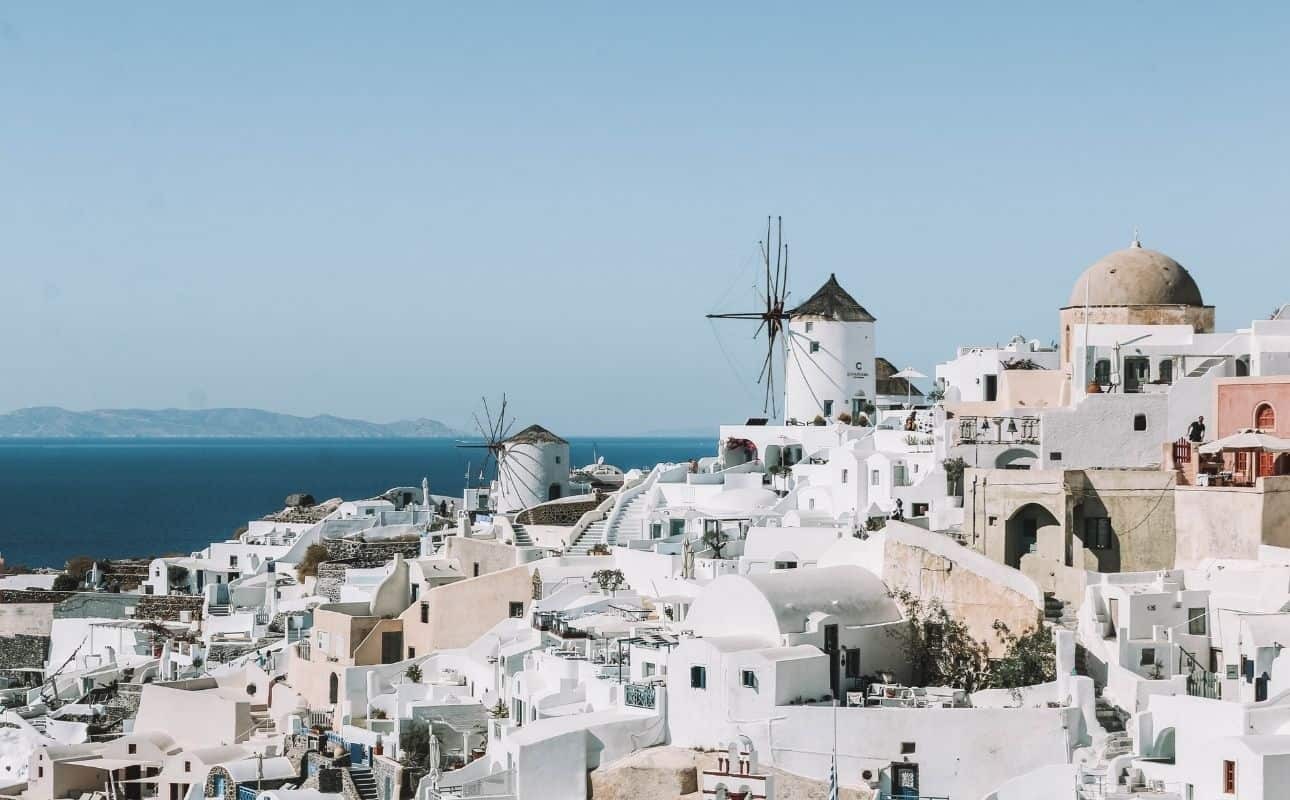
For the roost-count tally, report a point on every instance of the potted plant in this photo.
(413, 673)
(609, 580)
(954, 468)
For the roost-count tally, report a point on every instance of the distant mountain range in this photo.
(235, 423)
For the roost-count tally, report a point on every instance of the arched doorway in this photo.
(333, 689)
(1022, 532)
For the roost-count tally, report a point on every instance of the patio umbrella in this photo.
(1248, 440)
(909, 374)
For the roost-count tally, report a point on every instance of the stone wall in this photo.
(331, 576)
(383, 768)
(166, 607)
(370, 554)
(559, 513)
(33, 596)
(23, 651)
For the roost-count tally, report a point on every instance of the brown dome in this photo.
(1136, 276)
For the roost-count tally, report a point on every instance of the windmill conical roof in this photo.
(831, 302)
(535, 434)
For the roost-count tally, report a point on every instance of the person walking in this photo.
(1196, 430)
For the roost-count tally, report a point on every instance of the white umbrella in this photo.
(1248, 440)
(909, 374)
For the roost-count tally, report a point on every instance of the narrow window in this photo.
(188, 766)
(698, 677)
(1229, 777)
(1167, 371)
(875, 477)
(748, 679)
(647, 669)
(844, 476)
(1139, 422)
(1265, 419)
(132, 748)
(1196, 621)
(815, 347)
(517, 610)
(1147, 657)
(476, 569)
(1102, 372)
(412, 652)
(810, 326)
(425, 612)
(828, 408)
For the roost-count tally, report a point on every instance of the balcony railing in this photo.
(998, 430)
(639, 695)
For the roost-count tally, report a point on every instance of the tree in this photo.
(177, 576)
(77, 566)
(315, 554)
(1031, 657)
(66, 583)
(954, 468)
(940, 649)
(715, 539)
(609, 580)
(499, 710)
(413, 673)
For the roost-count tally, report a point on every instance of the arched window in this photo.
(1265, 419)
(333, 692)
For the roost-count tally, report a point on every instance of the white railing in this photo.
(625, 497)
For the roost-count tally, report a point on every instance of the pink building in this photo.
(1262, 403)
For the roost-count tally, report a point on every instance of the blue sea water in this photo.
(120, 498)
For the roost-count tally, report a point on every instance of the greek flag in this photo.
(833, 777)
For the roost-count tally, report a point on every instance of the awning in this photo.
(1248, 440)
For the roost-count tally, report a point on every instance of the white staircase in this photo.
(628, 525)
(591, 536)
(623, 518)
(522, 538)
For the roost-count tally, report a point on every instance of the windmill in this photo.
(774, 296)
(519, 469)
(493, 430)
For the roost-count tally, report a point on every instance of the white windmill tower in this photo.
(529, 467)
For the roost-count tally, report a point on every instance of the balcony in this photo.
(997, 430)
(639, 695)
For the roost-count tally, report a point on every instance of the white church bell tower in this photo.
(830, 364)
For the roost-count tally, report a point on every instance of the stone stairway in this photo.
(1060, 613)
(591, 536)
(1110, 717)
(217, 611)
(364, 782)
(522, 538)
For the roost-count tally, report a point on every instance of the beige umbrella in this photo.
(909, 374)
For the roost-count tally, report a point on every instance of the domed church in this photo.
(1135, 286)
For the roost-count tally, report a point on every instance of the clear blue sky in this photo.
(302, 207)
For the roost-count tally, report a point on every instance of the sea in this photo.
(123, 498)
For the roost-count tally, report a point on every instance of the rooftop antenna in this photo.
(774, 296)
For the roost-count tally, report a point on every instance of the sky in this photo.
(388, 210)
